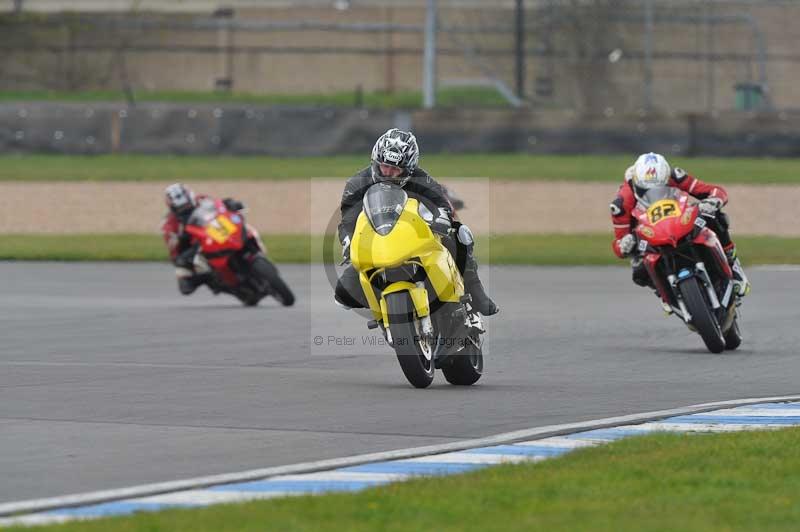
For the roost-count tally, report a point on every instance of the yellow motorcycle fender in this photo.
(419, 298)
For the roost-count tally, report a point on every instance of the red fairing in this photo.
(708, 238)
(669, 230)
(650, 260)
(625, 201)
(665, 224)
(222, 234)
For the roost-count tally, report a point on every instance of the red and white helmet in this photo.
(650, 170)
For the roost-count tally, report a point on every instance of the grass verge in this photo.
(590, 168)
(533, 249)
(445, 97)
(736, 481)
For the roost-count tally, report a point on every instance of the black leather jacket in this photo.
(421, 186)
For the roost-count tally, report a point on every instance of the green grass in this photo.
(663, 482)
(534, 249)
(126, 247)
(594, 168)
(446, 97)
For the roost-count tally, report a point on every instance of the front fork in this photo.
(674, 279)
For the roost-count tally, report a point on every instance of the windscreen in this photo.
(383, 205)
(658, 193)
(203, 214)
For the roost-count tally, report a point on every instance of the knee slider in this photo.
(465, 235)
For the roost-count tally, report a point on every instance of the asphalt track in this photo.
(109, 378)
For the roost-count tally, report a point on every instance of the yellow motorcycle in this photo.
(414, 288)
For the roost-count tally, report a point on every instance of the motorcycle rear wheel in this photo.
(466, 367)
(702, 317)
(269, 273)
(413, 353)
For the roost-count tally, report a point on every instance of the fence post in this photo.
(429, 58)
(225, 43)
(710, 82)
(520, 48)
(648, 55)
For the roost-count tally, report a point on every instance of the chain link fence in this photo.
(623, 56)
(597, 57)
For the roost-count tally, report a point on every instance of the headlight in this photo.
(426, 214)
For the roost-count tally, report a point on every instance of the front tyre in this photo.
(702, 317)
(267, 271)
(414, 354)
(466, 367)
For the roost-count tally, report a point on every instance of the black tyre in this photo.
(414, 355)
(733, 338)
(269, 273)
(466, 367)
(702, 317)
(250, 301)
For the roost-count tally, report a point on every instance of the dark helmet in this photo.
(180, 199)
(398, 149)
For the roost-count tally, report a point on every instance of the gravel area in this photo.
(311, 206)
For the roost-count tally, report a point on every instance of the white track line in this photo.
(344, 476)
(474, 458)
(569, 443)
(207, 497)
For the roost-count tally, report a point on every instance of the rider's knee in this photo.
(640, 276)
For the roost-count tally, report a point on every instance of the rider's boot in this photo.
(188, 281)
(348, 291)
(480, 300)
(740, 280)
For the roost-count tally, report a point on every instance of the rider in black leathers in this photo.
(394, 159)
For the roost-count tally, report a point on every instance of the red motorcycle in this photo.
(232, 254)
(688, 267)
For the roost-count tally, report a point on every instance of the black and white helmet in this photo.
(180, 199)
(398, 149)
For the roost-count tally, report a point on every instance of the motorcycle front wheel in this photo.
(267, 271)
(733, 338)
(702, 317)
(414, 353)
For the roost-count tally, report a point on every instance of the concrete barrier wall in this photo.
(209, 129)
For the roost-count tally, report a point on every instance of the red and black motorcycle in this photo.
(688, 267)
(231, 252)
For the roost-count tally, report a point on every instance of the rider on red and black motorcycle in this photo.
(182, 201)
(652, 170)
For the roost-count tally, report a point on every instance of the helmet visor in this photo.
(384, 172)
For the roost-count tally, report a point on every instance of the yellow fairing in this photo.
(410, 241)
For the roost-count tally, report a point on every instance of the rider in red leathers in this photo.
(652, 170)
(181, 201)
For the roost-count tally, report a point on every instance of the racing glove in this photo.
(345, 249)
(710, 206)
(443, 224)
(233, 205)
(626, 244)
